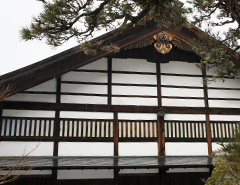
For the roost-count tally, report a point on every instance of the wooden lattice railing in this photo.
(27, 127)
(137, 129)
(13, 128)
(185, 130)
(223, 130)
(86, 128)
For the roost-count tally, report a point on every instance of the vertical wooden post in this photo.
(1, 119)
(162, 176)
(160, 120)
(115, 133)
(109, 82)
(57, 118)
(56, 131)
(208, 128)
(115, 138)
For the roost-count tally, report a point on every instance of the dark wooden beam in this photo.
(57, 118)
(109, 81)
(117, 108)
(115, 133)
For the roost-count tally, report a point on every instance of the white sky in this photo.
(14, 53)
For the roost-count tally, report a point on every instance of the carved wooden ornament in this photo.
(163, 44)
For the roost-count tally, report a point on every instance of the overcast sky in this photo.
(14, 53)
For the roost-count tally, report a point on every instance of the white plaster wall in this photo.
(185, 117)
(83, 88)
(17, 148)
(186, 149)
(48, 86)
(83, 99)
(139, 65)
(100, 64)
(228, 83)
(214, 117)
(187, 170)
(215, 146)
(85, 77)
(181, 81)
(134, 79)
(85, 174)
(86, 115)
(224, 103)
(183, 102)
(30, 172)
(212, 93)
(137, 116)
(28, 113)
(181, 92)
(134, 101)
(51, 98)
(85, 149)
(133, 90)
(138, 171)
(138, 148)
(178, 67)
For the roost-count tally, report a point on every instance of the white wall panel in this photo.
(134, 101)
(85, 149)
(185, 117)
(138, 171)
(28, 113)
(134, 79)
(224, 117)
(187, 170)
(182, 102)
(133, 90)
(86, 115)
(185, 149)
(16, 148)
(139, 65)
(228, 83)
(224, 103)
(82, 88)
(137, 116)
(138, 149)
(216, 146)
(177, 67)
(181, 92)
(100, 64)
(181, 81)
(83, 99)
(85, 174)
(48, 86)
(30, 172)
(84, 77)
(33, 97)
(212, 93)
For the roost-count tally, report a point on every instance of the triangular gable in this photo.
(132, 37)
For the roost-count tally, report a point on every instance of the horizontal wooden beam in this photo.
(116, 108)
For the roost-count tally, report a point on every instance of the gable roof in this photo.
(133, 37)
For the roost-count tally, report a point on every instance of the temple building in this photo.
(139, 116)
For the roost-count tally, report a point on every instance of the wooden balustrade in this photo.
(137, 129)
(18, 128)
(15, 128)
(185, 130)
(86, 128)
(222, 130)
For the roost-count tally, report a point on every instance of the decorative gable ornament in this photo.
(163, 44)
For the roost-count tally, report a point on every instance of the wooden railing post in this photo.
(115, 139)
